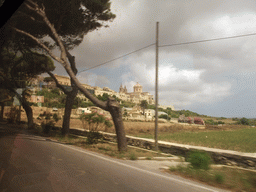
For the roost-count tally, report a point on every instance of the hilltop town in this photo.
(135, 97)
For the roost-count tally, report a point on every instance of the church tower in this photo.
(121, 89)
(137, 88)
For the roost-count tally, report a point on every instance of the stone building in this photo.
(136, 96)
(63, 80)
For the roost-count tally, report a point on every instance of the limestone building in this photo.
(63, 80)
(136, 96)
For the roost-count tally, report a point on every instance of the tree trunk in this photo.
(29, 113)
(27, 108)
(2, 111)
(68, 108)
(116, 114)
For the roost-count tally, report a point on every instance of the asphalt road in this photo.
(31, 163)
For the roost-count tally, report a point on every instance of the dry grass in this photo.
(224, 177)
(106, 148)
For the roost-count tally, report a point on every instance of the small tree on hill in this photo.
(144, 105)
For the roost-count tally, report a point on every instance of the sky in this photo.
(215, 78)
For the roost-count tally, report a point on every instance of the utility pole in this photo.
(156, 90)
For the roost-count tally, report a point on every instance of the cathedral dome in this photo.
(137, 85)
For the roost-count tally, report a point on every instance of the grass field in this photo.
(243, 140)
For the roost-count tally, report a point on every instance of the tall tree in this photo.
(71, 95)
(67, 30)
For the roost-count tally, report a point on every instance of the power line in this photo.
(170, 45)
(116, 58)
(208, 40)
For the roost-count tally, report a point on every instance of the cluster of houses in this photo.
(135, 113)
(135, 97)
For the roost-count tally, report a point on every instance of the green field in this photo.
(243, 140)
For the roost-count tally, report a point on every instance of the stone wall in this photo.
(219, 156)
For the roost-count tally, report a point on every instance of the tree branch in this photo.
(40, 43)
(57, 83)
(41, 12)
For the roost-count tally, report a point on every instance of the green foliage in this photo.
(151, 106)
(199, 160)
(164, 117)
(125, 113)
(55, 91)
(244, 121)
(176, 114)
(144, 104)
(18, 69)
(72, 19)
(103, 97)
(188, 113)
(127, 104)
(219, 178)
(93, 137)
(85, 104)
(55, 117)
(53, 98)
(133, 156)
(212, 122)
(94, 120)
(48, 121)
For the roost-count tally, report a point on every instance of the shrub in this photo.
(94, 120)
(198, 120)
(48, 121)
(219, 178)
(221, 122)
(165, 117)
(244, 121)
(93, 137)
(211, 122)
(199, 160)
(133, 156)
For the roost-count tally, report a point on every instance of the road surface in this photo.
(31, 163)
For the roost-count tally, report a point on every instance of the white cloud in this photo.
(178, 87)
